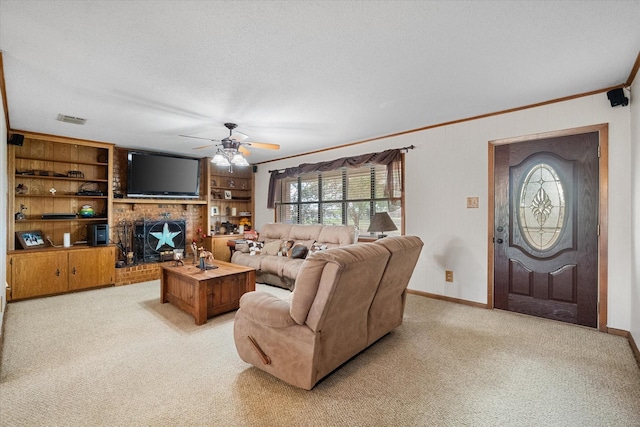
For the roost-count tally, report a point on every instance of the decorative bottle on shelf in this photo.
(86, 211)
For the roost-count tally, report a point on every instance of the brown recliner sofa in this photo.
(282, 270)
(345, 299)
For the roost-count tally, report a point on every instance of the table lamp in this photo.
(381, 222)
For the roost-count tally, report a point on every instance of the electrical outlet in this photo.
(472, 202)
(448, 276)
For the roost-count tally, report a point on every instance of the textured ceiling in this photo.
(305, 75)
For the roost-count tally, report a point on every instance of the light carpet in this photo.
(118, 357)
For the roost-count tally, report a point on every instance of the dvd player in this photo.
(59, 216)
(89, 193)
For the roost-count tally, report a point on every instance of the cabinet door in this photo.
(220, 249)
(36, 274)
(91, 267)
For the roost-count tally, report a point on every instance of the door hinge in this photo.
(599, 151)
(598, 229)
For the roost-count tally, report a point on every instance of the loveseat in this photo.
(344, 300)
(273, 262)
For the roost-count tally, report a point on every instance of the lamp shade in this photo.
(220, 160)
(239, 160)
(381, 222)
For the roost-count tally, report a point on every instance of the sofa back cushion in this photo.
(387, 307)
(303, 233)
(329, 235)
(351, 271)
(337, 235)
(275, 231)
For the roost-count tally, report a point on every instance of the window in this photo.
(541, 207)
(348, 196)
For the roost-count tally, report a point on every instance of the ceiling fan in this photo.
(233, 149)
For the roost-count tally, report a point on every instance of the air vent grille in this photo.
(71, 119)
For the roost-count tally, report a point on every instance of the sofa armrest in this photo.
(266, 309)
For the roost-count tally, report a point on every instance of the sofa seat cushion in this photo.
(275, 264)
(291, 268)
(248, 260)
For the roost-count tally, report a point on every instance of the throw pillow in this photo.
(255, 248)
(307, 243)
(271, 248)
(284, 247)
(318, 247)
(298, 251)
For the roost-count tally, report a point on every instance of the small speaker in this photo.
(16, 139)
(616, 97)
(97, 234)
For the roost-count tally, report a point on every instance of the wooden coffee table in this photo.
(204, 294)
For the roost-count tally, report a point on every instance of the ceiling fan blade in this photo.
(244, 151)
(238, 137)
(203, 146)
(265, 145)
(197, 137)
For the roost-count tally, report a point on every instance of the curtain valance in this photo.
(390, 158)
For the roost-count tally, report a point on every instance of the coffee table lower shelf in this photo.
(204, 294)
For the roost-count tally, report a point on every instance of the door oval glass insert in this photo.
(541, 207)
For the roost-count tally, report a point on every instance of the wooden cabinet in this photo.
(54, 271)
(231, 197)
(50, 176)
(217, 245)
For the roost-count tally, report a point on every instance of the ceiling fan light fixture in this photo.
(239, 160)
(220, 160)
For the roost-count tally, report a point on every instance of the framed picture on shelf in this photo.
(30, 239)
(227, 194)
(215, 211)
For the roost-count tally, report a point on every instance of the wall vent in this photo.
(71, 119)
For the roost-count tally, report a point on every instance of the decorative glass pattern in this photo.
(541, 207)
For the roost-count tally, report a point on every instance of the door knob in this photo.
(499, 241)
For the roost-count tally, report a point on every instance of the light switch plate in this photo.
(472, 202)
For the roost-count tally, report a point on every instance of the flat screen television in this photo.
(157, 175)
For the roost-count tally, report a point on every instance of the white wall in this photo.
(450, 163)
(635, 211)
(3, 213)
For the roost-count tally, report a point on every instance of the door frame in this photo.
(603, 209)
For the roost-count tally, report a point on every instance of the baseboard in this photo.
(618, 332)
(629, 337)
(634, 348)
(4, 319)
(445, 298)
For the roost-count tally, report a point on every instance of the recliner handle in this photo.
(265, 359)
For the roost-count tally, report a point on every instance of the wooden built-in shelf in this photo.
(93, 218)
(60, 196)
(74, 162)
(161, 201)
(59, 178)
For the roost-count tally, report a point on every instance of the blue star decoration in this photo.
(166, 237)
